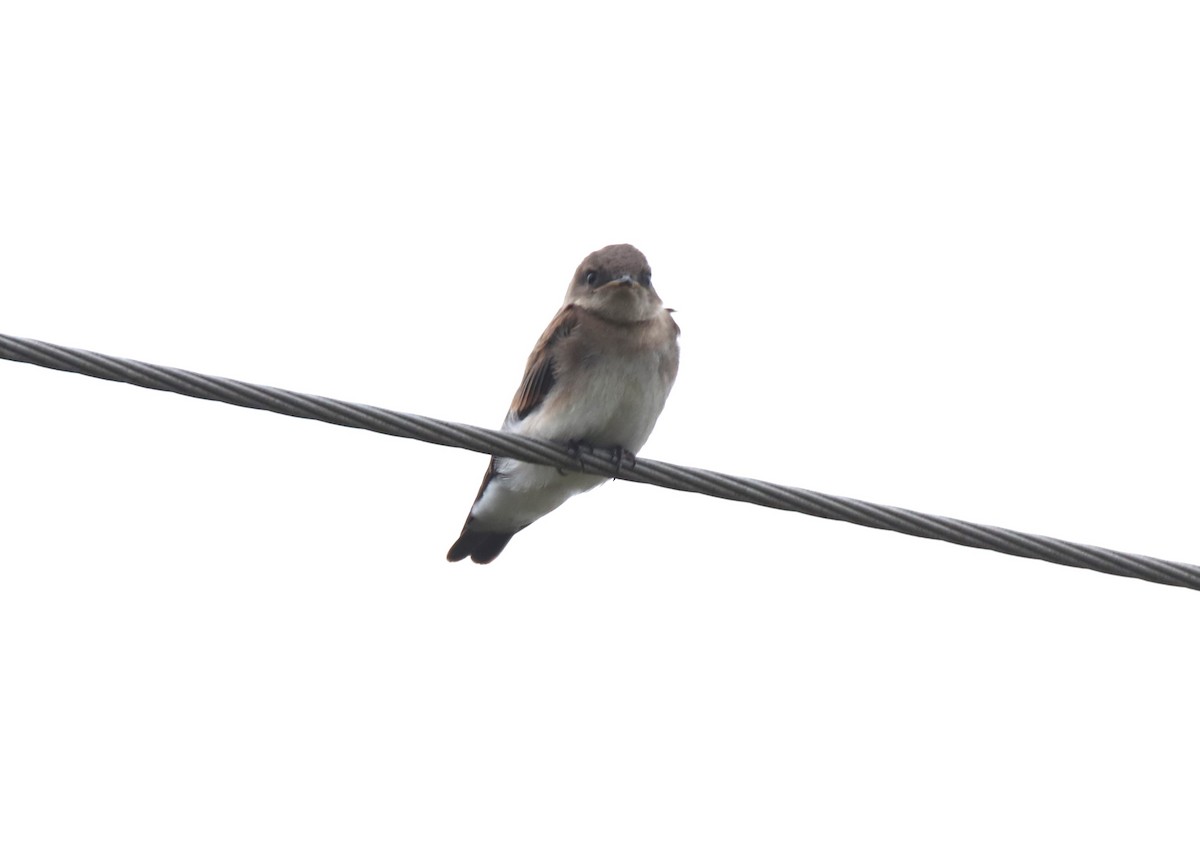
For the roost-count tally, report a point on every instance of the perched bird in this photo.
(597, 379)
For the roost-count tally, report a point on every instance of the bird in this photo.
(598, 378)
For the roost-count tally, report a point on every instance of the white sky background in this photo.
(937, 255)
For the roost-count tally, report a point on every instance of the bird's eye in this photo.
(645, 278)
(592, 278)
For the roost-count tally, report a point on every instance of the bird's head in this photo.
(614, 283)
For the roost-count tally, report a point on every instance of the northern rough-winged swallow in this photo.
(597, 378)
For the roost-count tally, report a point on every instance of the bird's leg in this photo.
(576, 446)
(619, 455)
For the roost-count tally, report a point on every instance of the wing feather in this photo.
(540, 370)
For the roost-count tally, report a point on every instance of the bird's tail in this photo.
(482, 547)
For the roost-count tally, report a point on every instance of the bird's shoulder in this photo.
(540, 369)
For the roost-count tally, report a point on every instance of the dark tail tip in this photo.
(482, 547)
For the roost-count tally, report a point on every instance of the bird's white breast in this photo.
(612, 400)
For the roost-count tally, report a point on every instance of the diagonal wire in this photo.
(663, 474)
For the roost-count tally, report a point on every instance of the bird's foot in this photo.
(575, 447)
(621, 457)
(618, 456)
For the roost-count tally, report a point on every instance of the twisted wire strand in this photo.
(662, 474)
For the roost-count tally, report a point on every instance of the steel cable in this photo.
(662, 474)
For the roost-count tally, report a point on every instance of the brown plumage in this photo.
(599, 375)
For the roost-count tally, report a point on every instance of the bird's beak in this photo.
(623, 280)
